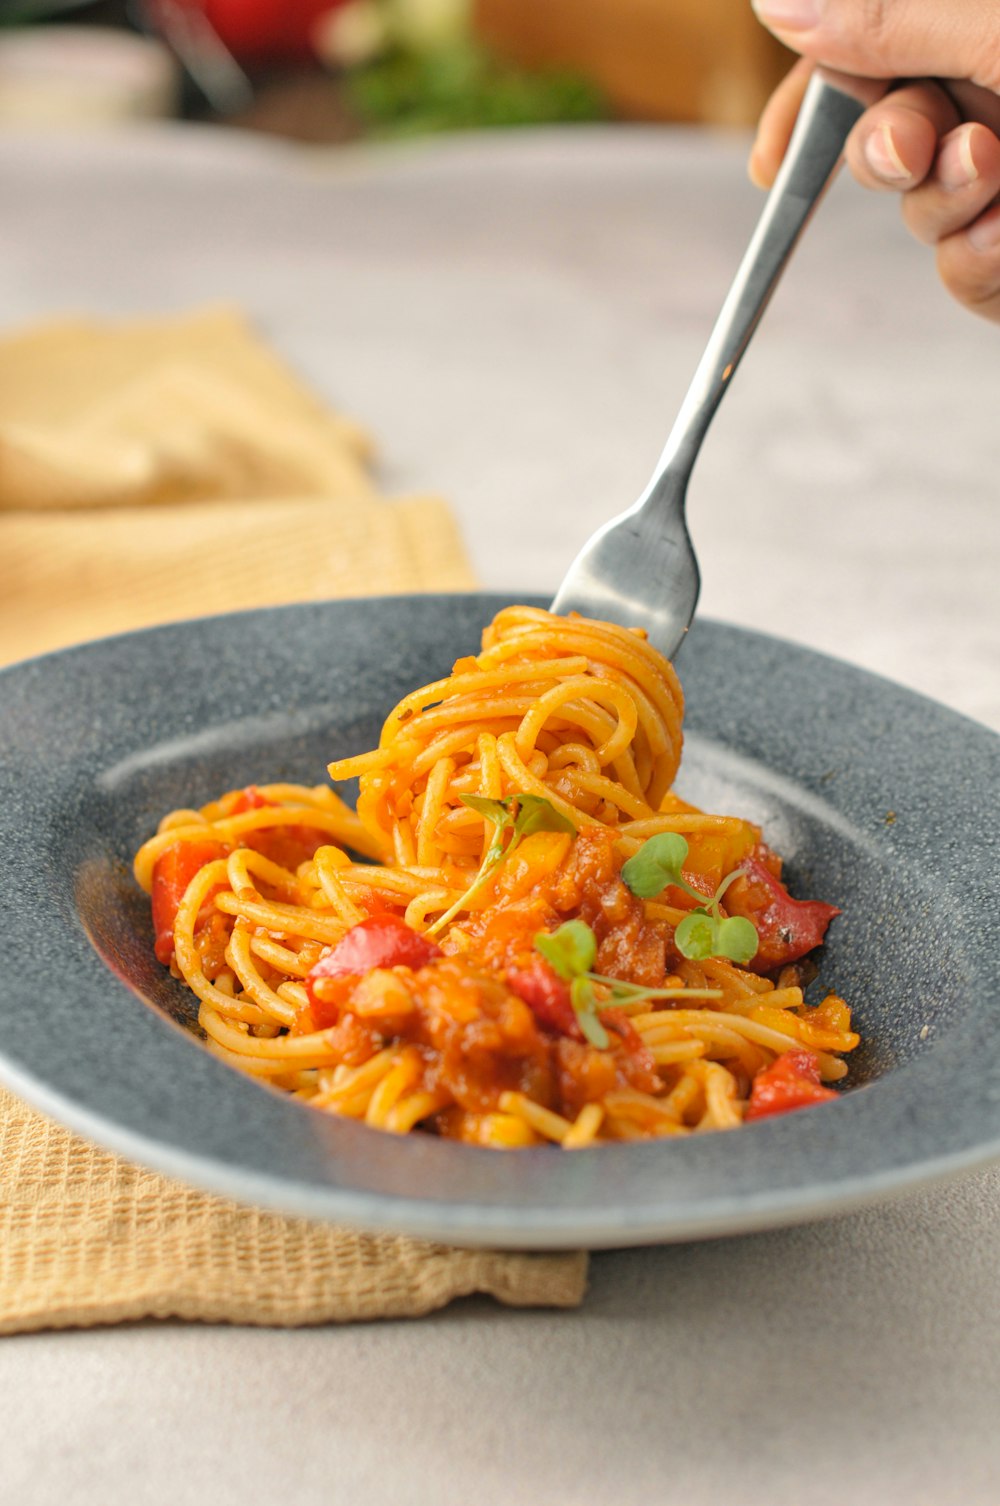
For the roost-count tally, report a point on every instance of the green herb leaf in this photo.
(584, 1001)
(494, 811)
(705, 932)
(535, 813)
(702, 934)
(657, 864)
(497, 814)
(525, 813)
(570, 951)
(737, 939)
(695, 936)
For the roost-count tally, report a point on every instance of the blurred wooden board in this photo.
(694, 60)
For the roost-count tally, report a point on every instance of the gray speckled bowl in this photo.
(881, 802)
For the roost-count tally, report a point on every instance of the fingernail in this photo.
(955, 165)
(789, 15)
(984, 235)
(883, 157)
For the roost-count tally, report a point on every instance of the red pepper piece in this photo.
(791, 1082)
(380, 941)
(248, 799)
(172, 872)
(546, 995)
(788, 928)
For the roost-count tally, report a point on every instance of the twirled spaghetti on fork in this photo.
(521, 935)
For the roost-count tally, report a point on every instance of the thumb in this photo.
(893, 38)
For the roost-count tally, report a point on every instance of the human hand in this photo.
(935, 142)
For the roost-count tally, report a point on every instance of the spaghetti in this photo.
(522, 935)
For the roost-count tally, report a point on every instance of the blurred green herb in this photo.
(462, 87)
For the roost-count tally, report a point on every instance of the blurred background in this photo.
(341, 70)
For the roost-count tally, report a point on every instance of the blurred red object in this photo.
(259, 30)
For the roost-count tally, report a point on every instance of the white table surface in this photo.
(517, 319)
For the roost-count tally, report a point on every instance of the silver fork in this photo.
(640, 569)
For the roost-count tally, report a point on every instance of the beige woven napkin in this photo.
(87, 1238)
(168, 469)
(149, 472)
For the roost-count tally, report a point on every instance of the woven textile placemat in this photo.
(148, 472)
(176, 468)
(88, 1238)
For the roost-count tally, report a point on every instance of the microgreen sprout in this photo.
(705, 932)
(571, 951)
(521, 816)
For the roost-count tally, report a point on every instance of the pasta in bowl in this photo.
(850, 777)
(522, 934)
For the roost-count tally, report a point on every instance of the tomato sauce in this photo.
(495, 1017)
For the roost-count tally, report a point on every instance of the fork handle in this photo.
(831, 105)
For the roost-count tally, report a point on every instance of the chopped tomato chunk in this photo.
(589, 886)
(546, 995)
(172, 872)
(380, 941)
(791, 1082)
(788, 928)
(583, 1074)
